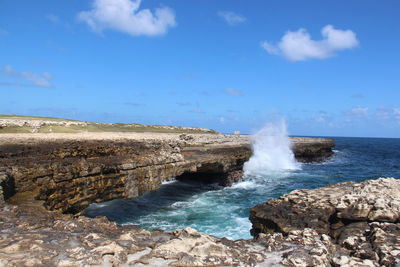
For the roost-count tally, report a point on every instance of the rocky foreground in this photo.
(353, 224)
(347, 224)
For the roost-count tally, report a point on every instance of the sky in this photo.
(329, 68)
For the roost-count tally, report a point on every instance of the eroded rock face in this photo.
(361, 219)
(6, 186)
(317, 151)
(70, 171)
(69, 175)
(32, 236)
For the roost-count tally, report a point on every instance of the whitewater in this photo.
(271, 172)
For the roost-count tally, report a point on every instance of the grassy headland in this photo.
(33, 124)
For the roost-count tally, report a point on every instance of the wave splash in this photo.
(271, 150)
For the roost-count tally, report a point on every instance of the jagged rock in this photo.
(70, 171)
(361, 219)
(58, 240)
(385, 238)
(325, 208)
(35, 237)
(66, 173)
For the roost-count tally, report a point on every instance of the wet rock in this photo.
(231, 178)
(317, 151)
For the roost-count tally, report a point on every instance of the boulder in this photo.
(361, 219)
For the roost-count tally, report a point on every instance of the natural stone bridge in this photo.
(68, 172)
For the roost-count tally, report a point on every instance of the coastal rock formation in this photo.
(317, 151)
(361, 219)
(32, 236)
(70, 171)
(6, 187)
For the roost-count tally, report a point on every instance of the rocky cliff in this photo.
(312, 149)
(31, 236)
(70, 171)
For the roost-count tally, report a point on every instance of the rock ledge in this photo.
(362, 220)
(32, 236)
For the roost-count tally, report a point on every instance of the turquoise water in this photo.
(224, 212)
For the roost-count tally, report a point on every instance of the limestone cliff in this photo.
(70, 171)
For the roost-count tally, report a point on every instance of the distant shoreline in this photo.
(32, 124)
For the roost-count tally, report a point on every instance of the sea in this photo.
(271, 172)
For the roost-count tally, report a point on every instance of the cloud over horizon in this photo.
(298, 45)
(39, 80)
(233, 92)
(357, 112)
(125, 16)
(231, 17)
(389, 114)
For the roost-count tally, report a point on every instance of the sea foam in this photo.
(271, 150)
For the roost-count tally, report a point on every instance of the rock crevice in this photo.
(35, 237)
(362, 220)
(69, 172)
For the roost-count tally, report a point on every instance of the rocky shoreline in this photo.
(47, 179)
(31, 236)
(70, 171)
(361, 221)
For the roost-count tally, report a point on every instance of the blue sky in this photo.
(329, 67)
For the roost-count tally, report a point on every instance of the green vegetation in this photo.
(79, 127)
(15, 129)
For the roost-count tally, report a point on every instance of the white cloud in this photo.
(396, 113)
(53, 18)
(125, 16)
(383, 113)
(322, 116)
(3, 32)
(40, 80)
(388, 114)
(232, 92)
(358, 112)
(231, 18)
(298, 45)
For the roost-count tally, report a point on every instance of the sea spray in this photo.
(224, 212)
(271, 150)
